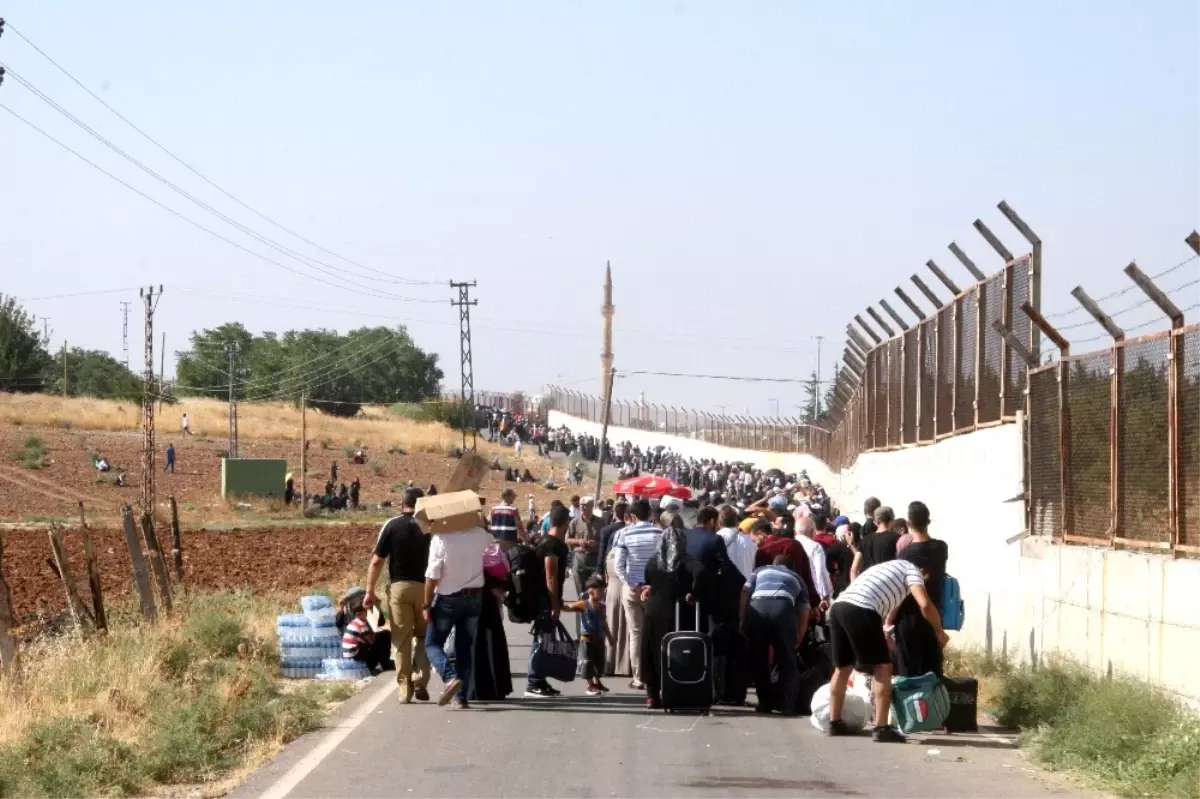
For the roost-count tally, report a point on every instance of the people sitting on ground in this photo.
(496, 466)
(527, 477)
(360, 456)
(121, 480)
(359, 641)
(102, 464)
(511, 476)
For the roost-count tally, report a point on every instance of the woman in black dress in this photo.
(671, 577)
(491, 676)
(917, 648)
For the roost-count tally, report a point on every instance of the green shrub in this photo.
(348, 450)
(216, 634)
(69, 756)
(434, 412)
(61, 423)
(396, 449)
(376, 468)
(33, 456)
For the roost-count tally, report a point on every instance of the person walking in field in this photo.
(187, 431)
(170, 465)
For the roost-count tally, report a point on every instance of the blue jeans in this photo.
(461, 614)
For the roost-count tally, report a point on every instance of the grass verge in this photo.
(189, 701)
(1120, 733)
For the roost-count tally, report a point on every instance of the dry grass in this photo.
(208, 417)
(192, 700)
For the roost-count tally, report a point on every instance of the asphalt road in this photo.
(613, 746)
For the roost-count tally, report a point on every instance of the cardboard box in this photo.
(451, 512)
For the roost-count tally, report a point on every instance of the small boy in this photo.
(593, 633)
(359, 641)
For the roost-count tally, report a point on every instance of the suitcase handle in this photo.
(680, 604)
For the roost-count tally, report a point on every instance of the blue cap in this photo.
(839, 521)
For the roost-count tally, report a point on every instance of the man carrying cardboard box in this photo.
(453, 586)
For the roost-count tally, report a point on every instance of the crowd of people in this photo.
(792, 593)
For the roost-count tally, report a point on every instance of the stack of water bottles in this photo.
(310, 646)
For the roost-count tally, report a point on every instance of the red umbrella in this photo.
(647, 485)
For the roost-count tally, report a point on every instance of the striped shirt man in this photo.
(777, 582)
(882, 587)
(635, 545)
(354, 637)
(503, 522)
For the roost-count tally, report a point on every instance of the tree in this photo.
(812, 387)
(338, 372)
(94, 373)
(23, 355)
(830, 393)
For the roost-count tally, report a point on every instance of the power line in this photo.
(1124, 291)
(198, 174)
(196, 224)
(626, 373)
(299, 257)
(78, 294)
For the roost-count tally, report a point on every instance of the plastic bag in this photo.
(856, 710)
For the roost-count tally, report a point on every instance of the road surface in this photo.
(613, 746)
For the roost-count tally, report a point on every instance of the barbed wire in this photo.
(1124, 291)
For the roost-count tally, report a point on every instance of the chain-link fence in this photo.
(1044, 455)
(1187, 458)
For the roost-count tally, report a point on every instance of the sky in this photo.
(756, 173)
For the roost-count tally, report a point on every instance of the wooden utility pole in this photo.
(141, 577)
(162, 368)
(303, 453)
(148, 453)
(233, 410)
(10, 656)
(74, 603)
(89, 556)
(157, 564)
(64, 368)
(177, 545)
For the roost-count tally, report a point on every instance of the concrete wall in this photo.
(1120, 611)
(245, 476)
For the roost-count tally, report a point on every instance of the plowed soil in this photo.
(269, 549)
(258, 559)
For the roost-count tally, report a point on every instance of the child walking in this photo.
(594, 632)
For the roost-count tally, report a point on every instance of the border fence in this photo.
(1113, 454)
(949, 372)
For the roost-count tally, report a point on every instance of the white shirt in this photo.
(741, 549)
(883, 587)
(816, 562)
(456, 560)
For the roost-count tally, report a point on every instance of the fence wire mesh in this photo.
(895, 363)
(945, 371)
(1022, 328)
(1089, 460)
(991, 345)
(964, 399)
(1143, 451)
(925, 429)
(1188, 345)
(880, 397)
(1045, 454)
(909, 383)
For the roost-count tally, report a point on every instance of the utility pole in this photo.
(464, 303)
(776, 401)
(816, 385)
(125, 332)
(162, 368)
(233, 416)
(303, 453)
(64, 368)
(148, 453)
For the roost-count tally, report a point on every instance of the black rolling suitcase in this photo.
(687, 668)
(964, 699)
(816, 667)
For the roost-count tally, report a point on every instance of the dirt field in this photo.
(257, 559)
(259, 545)
(52, 493)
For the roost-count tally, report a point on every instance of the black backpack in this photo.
(525, 580)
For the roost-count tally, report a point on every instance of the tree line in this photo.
(339, 372)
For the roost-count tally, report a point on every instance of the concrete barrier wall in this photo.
(1117, 611)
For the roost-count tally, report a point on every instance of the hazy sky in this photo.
(756, 172)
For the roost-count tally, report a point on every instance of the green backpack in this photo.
(921, 703)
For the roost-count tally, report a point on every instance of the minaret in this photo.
(606, 311)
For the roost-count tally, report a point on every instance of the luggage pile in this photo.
(310, 644)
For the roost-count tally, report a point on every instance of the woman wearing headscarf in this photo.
(672, 576)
